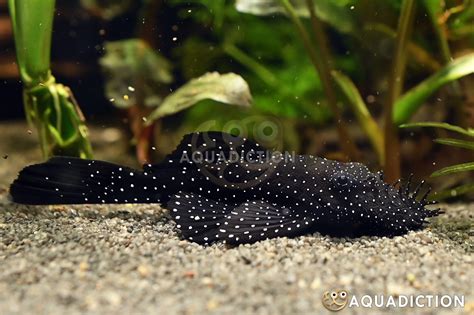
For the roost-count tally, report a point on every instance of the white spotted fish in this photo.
(220, 187)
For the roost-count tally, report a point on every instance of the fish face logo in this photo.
(335, 300)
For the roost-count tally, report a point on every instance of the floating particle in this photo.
(370, 99)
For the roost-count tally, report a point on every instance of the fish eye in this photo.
(343, 294)
(343, 180)
(334, 295)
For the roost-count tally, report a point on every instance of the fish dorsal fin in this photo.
(205, 221)
(210, 144)
(227, 160)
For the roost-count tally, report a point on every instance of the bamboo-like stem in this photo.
(321, 62)
(32, 22)
(49, 105)
(392, 142)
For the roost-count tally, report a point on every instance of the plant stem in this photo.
(441, 34)
(260, 70)
(323, 68)
(49, 105)
(32, 22)
(362, 114)
(144, 135)
(392, 142)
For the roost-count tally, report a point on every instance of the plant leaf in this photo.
(227, 88)
(464, 167)
(135, 74)
(338, 13)
(452, 192)
(409, 103)
(361, 112)
(467, 132)
(456, 143)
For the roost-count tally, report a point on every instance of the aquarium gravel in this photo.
(130, 258)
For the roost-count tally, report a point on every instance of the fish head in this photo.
(364, 201)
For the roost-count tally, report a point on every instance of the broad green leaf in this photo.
(338, 13)
(409, 103)
(227, 88)
(456, 143)
(361, 112)
(135, 74)
(467, 132)
(464, 167)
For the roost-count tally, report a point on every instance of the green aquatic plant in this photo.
(319, 54)
(408, 103)
(400, 105)
(395, 83)
(467, 143)
(138, 78)
(49, 106)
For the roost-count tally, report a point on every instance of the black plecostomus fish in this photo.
(220, 187)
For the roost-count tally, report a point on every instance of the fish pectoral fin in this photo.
(258, 220)
(200, 219)
(206, 221)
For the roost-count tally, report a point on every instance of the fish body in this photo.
(219, 187)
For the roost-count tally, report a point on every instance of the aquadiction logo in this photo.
(335, 300)
(338, 299)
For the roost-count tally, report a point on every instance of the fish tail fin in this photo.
(66, 180)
